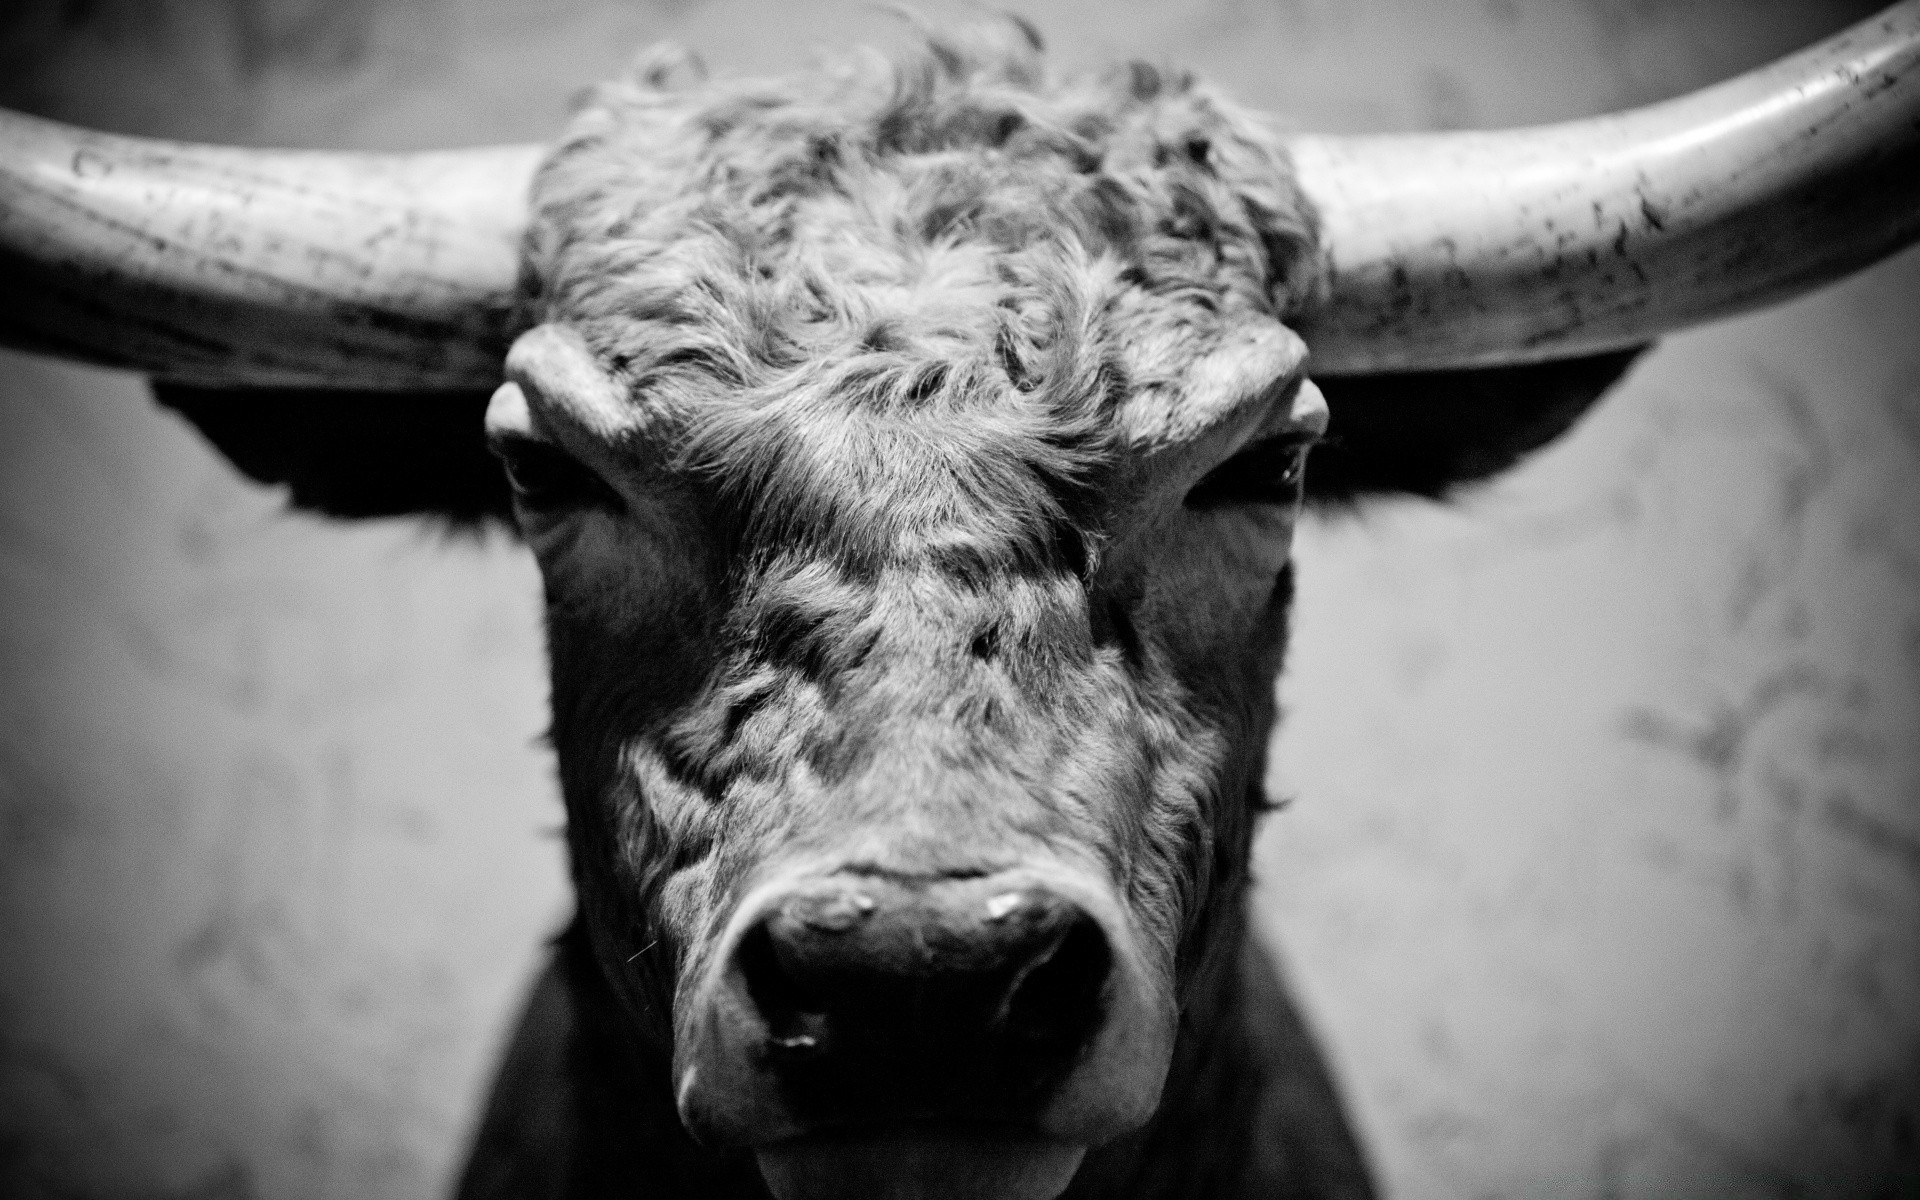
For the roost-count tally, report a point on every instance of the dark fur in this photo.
(356, 454)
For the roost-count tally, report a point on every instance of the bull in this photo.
(875, 431)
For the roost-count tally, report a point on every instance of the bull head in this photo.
(875, 431)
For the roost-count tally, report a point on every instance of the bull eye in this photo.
(1270, 471)
(546, 478)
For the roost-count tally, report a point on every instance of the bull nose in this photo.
(879, 1000)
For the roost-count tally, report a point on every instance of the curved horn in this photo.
(1468, 249)
(220, 265)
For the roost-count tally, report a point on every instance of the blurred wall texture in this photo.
(1602, 872)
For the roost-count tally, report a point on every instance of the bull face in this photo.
(873, 484)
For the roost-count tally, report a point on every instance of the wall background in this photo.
(1602, 876)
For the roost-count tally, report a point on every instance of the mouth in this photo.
(920, 1162)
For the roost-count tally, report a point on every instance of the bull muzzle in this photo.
(872, 1034)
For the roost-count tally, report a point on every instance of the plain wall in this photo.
(1601, 875)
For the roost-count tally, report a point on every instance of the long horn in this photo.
(1468, 249)
(220, 265)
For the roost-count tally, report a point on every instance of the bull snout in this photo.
(852, 1010)
(960, 998)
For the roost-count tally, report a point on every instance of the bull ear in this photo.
(357, 454)
(1425, 433)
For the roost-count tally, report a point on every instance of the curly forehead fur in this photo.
(894, 299)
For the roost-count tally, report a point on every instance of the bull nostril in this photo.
(1057, 1000)
(795, 1017)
